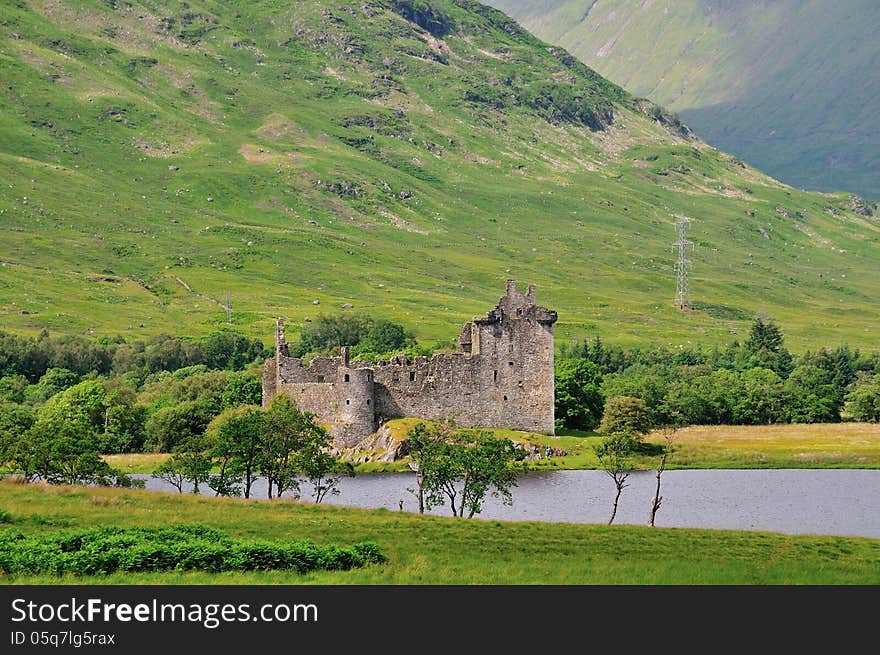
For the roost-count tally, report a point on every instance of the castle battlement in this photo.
(500, 376)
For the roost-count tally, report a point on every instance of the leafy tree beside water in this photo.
(320, 467)
(190, 463)
(614, 453)
(62, 444)
(462, 467)
(237, 439)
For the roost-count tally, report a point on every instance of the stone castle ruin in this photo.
(500, 376)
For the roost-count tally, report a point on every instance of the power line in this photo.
(682, 293)
(229, 308)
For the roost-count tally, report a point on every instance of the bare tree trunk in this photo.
(248, 481)
(619, 482)
(658, 499)
(451, 495)
(614, 510)
(464, 494)
(667, 450)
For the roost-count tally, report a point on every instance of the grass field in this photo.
(155, 157)
(443, 550)
(822, 445)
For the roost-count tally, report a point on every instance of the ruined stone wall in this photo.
(270, 380)
(502, 376)
(315, 397)
(320, 369)
(509, 384)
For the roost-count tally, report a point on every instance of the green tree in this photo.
(686, 397)
(462, 466)
(648, 382)
(12, 388)
(327, 332)
(236, 436)
(168, 427)
(109, 407)
(225, 350)
(243, 388)
(286, 431)
(614, 453)
(424, 446)
(191, 462)
(488, 466)
(626, 414)
(863, 401)
(122, 424)
(812, 395)
(762, 400)
(53, 381)
(319, 466)
(766, 347)
(62, 447)
(172, 472)
(722, 389)
(384, 337)
(15, 421)
(579, 397)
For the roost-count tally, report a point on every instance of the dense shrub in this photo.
(625, 414)
(108, 549)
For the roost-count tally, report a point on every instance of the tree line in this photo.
(30, 358)
(757, 381)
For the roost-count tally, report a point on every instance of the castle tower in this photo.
(356, 403)
(514, 345)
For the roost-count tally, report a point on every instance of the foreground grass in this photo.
(441, 550)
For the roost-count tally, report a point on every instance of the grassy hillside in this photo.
(442, 550)
(155, 155)
(785, 85)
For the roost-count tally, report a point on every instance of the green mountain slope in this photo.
(789, 85)
(156, 155)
